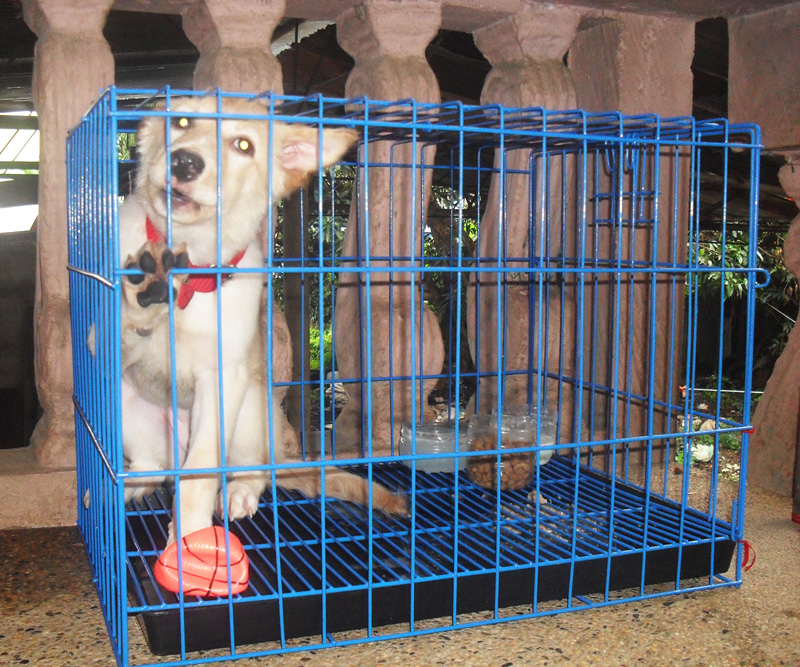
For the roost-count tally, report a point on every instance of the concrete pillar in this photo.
(526, 51)
(775, 438)
(72, 64)
(234, 43)
(763, 88)
(387, 39)
(635, 64)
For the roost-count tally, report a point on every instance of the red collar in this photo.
(193, 283)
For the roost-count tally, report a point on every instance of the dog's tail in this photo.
(344, 486)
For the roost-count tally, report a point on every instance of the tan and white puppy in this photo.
(254, 156)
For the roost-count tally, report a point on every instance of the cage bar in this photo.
(559, 253)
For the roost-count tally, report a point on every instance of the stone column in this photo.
(764, 89)
(387, 39)
(526, 51)
(775, 438)
(636, 64)
(72, 64)
(234, 43)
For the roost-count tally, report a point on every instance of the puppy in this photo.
(218, 327)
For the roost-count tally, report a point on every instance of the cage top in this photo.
(438, 122)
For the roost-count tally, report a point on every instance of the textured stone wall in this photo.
(764, 76)
(387, 39)
(526, 51)
(637, 64)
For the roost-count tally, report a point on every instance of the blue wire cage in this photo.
(562, 254)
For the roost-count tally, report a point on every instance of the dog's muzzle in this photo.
(186, 166)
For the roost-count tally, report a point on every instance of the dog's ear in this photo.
(149, 135)
(298, 150)
(335, 143)
(151, 131)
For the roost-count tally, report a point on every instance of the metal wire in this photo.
(596, 318)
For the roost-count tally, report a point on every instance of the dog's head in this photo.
(240, 170)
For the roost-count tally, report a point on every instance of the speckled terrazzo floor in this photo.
(50, 616)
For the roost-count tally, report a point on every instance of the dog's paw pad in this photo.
(153, 262)
(148, 262)
(179, 259)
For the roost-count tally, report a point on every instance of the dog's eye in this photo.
(244, 146)
(182, 123)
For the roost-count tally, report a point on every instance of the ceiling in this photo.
(151, 50)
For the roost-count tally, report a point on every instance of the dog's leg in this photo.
(197, 494)
(147, 422)
(250, 447)
(146, 441)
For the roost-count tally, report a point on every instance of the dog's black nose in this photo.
(186, 166)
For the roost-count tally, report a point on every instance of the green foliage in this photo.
(714, 250)
(327, 349)
(776, 303)
(731, 399)
(125, 141)
(728, 441)
(732, 251)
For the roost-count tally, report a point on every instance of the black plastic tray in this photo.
(574, 528)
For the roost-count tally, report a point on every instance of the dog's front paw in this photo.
(154, 260)
(242, 501)
(170, 533)
(138, 492)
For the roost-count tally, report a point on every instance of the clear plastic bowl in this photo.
(518, 429)
(528, 416)
(433, 438)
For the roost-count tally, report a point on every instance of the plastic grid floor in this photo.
(590, 536)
